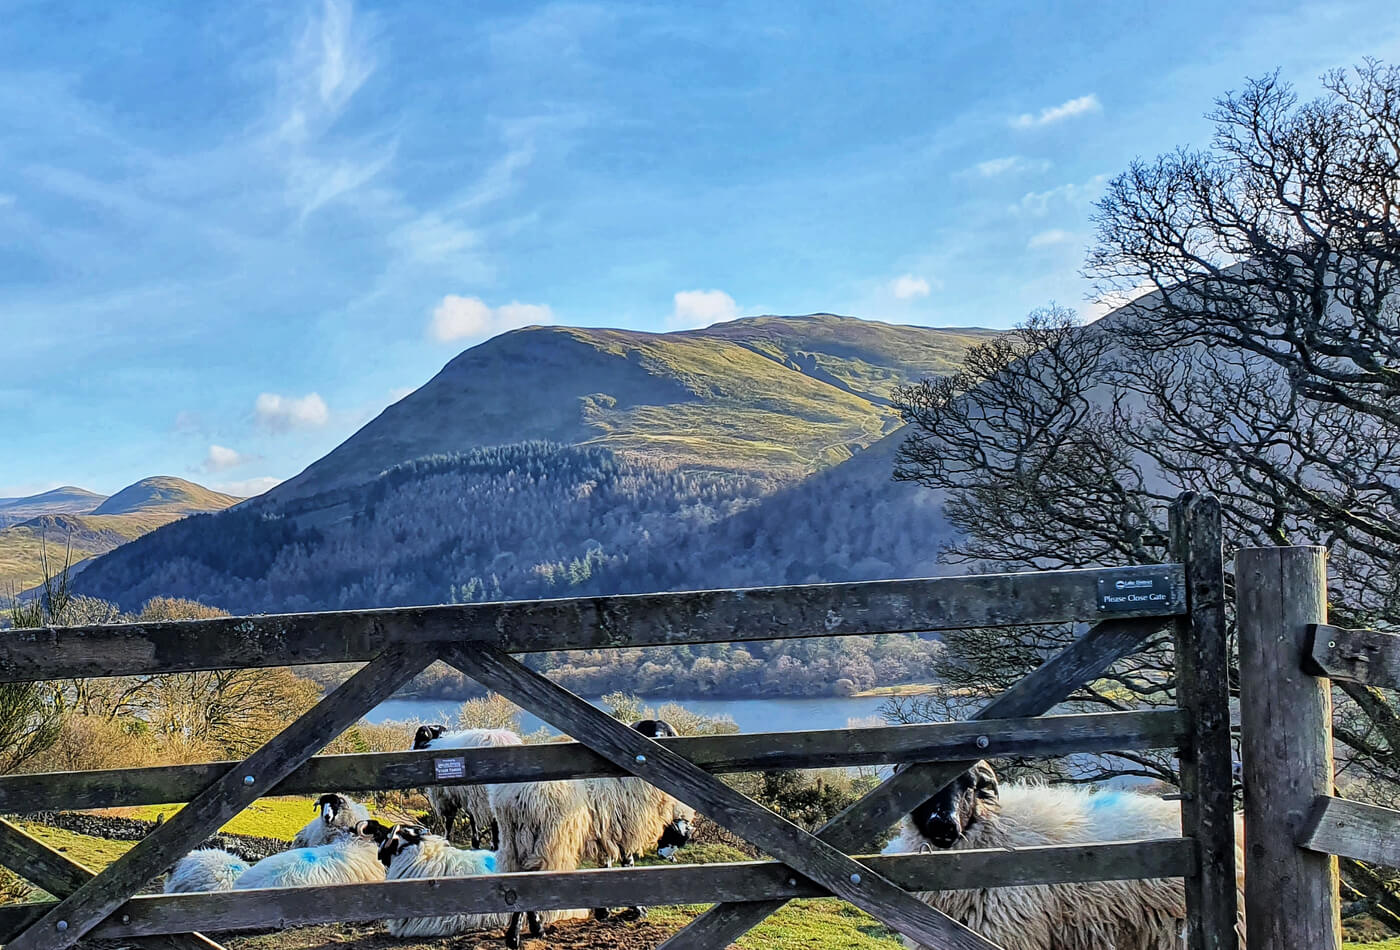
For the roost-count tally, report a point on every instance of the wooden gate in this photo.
(1127, 607)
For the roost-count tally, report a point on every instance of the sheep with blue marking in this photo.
(336, 816)
(473, 802)
(350, 859)
(975, 811)
(411, 851)
(204, 871)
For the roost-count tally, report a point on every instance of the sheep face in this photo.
(397, 840)
(674, 836)
(331, 806)
(373, 830)
(946, 817)
(426, 734)
(655, 728)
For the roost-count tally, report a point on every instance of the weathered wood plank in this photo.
(1286, 743)
(90, 904)
(1099, 648)
(820, 748)
(618, 887)
(39, 864)
(624, 746)
(60, 875)
(941, 603)
(1359, 656)
(1203, 693)
(1353, 830)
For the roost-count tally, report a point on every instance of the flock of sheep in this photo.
(537, 826)
(560, 825)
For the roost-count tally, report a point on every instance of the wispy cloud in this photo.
(909, 286)
(328, 65)
(1049, 238)
(1010, 165)
(1084, 105)
(467, 318)
(278, 413)
(222, 458)
(701, 308)
(1041, 202)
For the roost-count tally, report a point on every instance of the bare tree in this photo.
(1259, 359)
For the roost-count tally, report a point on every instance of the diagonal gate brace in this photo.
(654, 763)
(60, 875)
(93, 902)
(1034, 695)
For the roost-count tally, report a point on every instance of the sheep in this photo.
(338, 817)
(628, 817)
(472, 800)
(352, 858)
(543, 826)
(976, 812)
(411, 851)
(208, 869)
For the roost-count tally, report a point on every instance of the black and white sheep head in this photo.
(949, 815)
(426, 734)
(372, 830)
(674, 836)
(654, 728)
(398, 839)
(330, 806)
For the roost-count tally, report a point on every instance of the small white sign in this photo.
(450, 768)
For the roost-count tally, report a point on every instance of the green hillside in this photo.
(776, 396)
(132, 512)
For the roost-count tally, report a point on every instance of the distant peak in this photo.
(164, 491)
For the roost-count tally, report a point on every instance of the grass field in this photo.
(267, 818)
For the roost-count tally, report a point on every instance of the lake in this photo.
(752, 715)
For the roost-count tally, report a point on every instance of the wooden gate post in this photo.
(1291, 898)
(1203, 694)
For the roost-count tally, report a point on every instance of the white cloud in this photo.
(700, 308)
(400, 392)
(1052, 114)
(1010, 165)
(463, 318)
(222, 458)
(1040, 202)
(280, 413)
(908, 287)
(1049, 238)
(248, 487)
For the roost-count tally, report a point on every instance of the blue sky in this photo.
(231, 234)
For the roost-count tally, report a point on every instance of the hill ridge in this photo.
(769, 395)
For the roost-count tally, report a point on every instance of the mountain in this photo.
(772, 396)
(560, 461)
(66, 500)
(78, 525)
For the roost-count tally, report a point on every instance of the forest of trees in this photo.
(540, 520)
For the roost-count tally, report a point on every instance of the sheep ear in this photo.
(986, 780)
